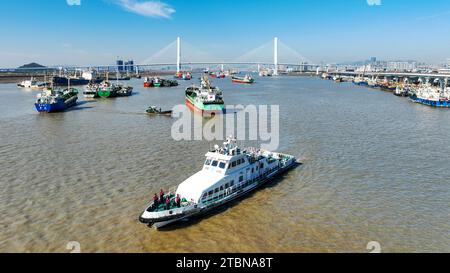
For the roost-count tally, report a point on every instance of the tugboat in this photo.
(52, 100)
(338, 79)
(206, 99)
(91, 91)
(156, 82)
(168, 83)
(124, 91)
(187, 76)
(373, 82)
(361, 81)
(148, 82)
(400, 91)
(31, 84)
(228, 173)
(153, 110)
(245, 80)
(389, 86)
(219, 75)
(265, 73)
(179, 75)
(107, 90)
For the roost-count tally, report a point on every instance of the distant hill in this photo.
(31, 65)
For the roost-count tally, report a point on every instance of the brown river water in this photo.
(375, 168)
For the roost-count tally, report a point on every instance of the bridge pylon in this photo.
(178, 55)
(275, 56)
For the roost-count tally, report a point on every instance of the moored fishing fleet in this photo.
(159, 82)
(422, 90)
(204, 98)
(107, 90)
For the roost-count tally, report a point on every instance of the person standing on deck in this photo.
(155, 200)
(161, 196)
(178, 201)
(167, 203)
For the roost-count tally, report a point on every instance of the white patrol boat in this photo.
(228, 173)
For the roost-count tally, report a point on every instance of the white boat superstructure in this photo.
(372, 82)
(228, 173)
(91, 91)
(208, 92)
(428, 91)
(89, 75)
(31, 84)
(265, 73)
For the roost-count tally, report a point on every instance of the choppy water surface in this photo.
(375, 168)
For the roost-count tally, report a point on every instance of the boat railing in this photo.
(187, 206)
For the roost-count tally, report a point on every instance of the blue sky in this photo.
(95, 32)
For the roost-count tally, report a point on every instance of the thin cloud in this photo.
(434, 16)
(374, 2)
(73, 2)
(153, 9)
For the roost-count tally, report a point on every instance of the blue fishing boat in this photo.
(434, 103)
(431, 95)
(51, 100)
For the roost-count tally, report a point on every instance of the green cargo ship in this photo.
(205, 99)
(107, 90)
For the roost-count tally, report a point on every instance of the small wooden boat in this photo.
(153, 110)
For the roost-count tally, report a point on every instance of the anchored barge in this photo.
(228, 173)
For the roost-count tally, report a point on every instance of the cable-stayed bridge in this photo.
(179, 54)
(272, 54)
